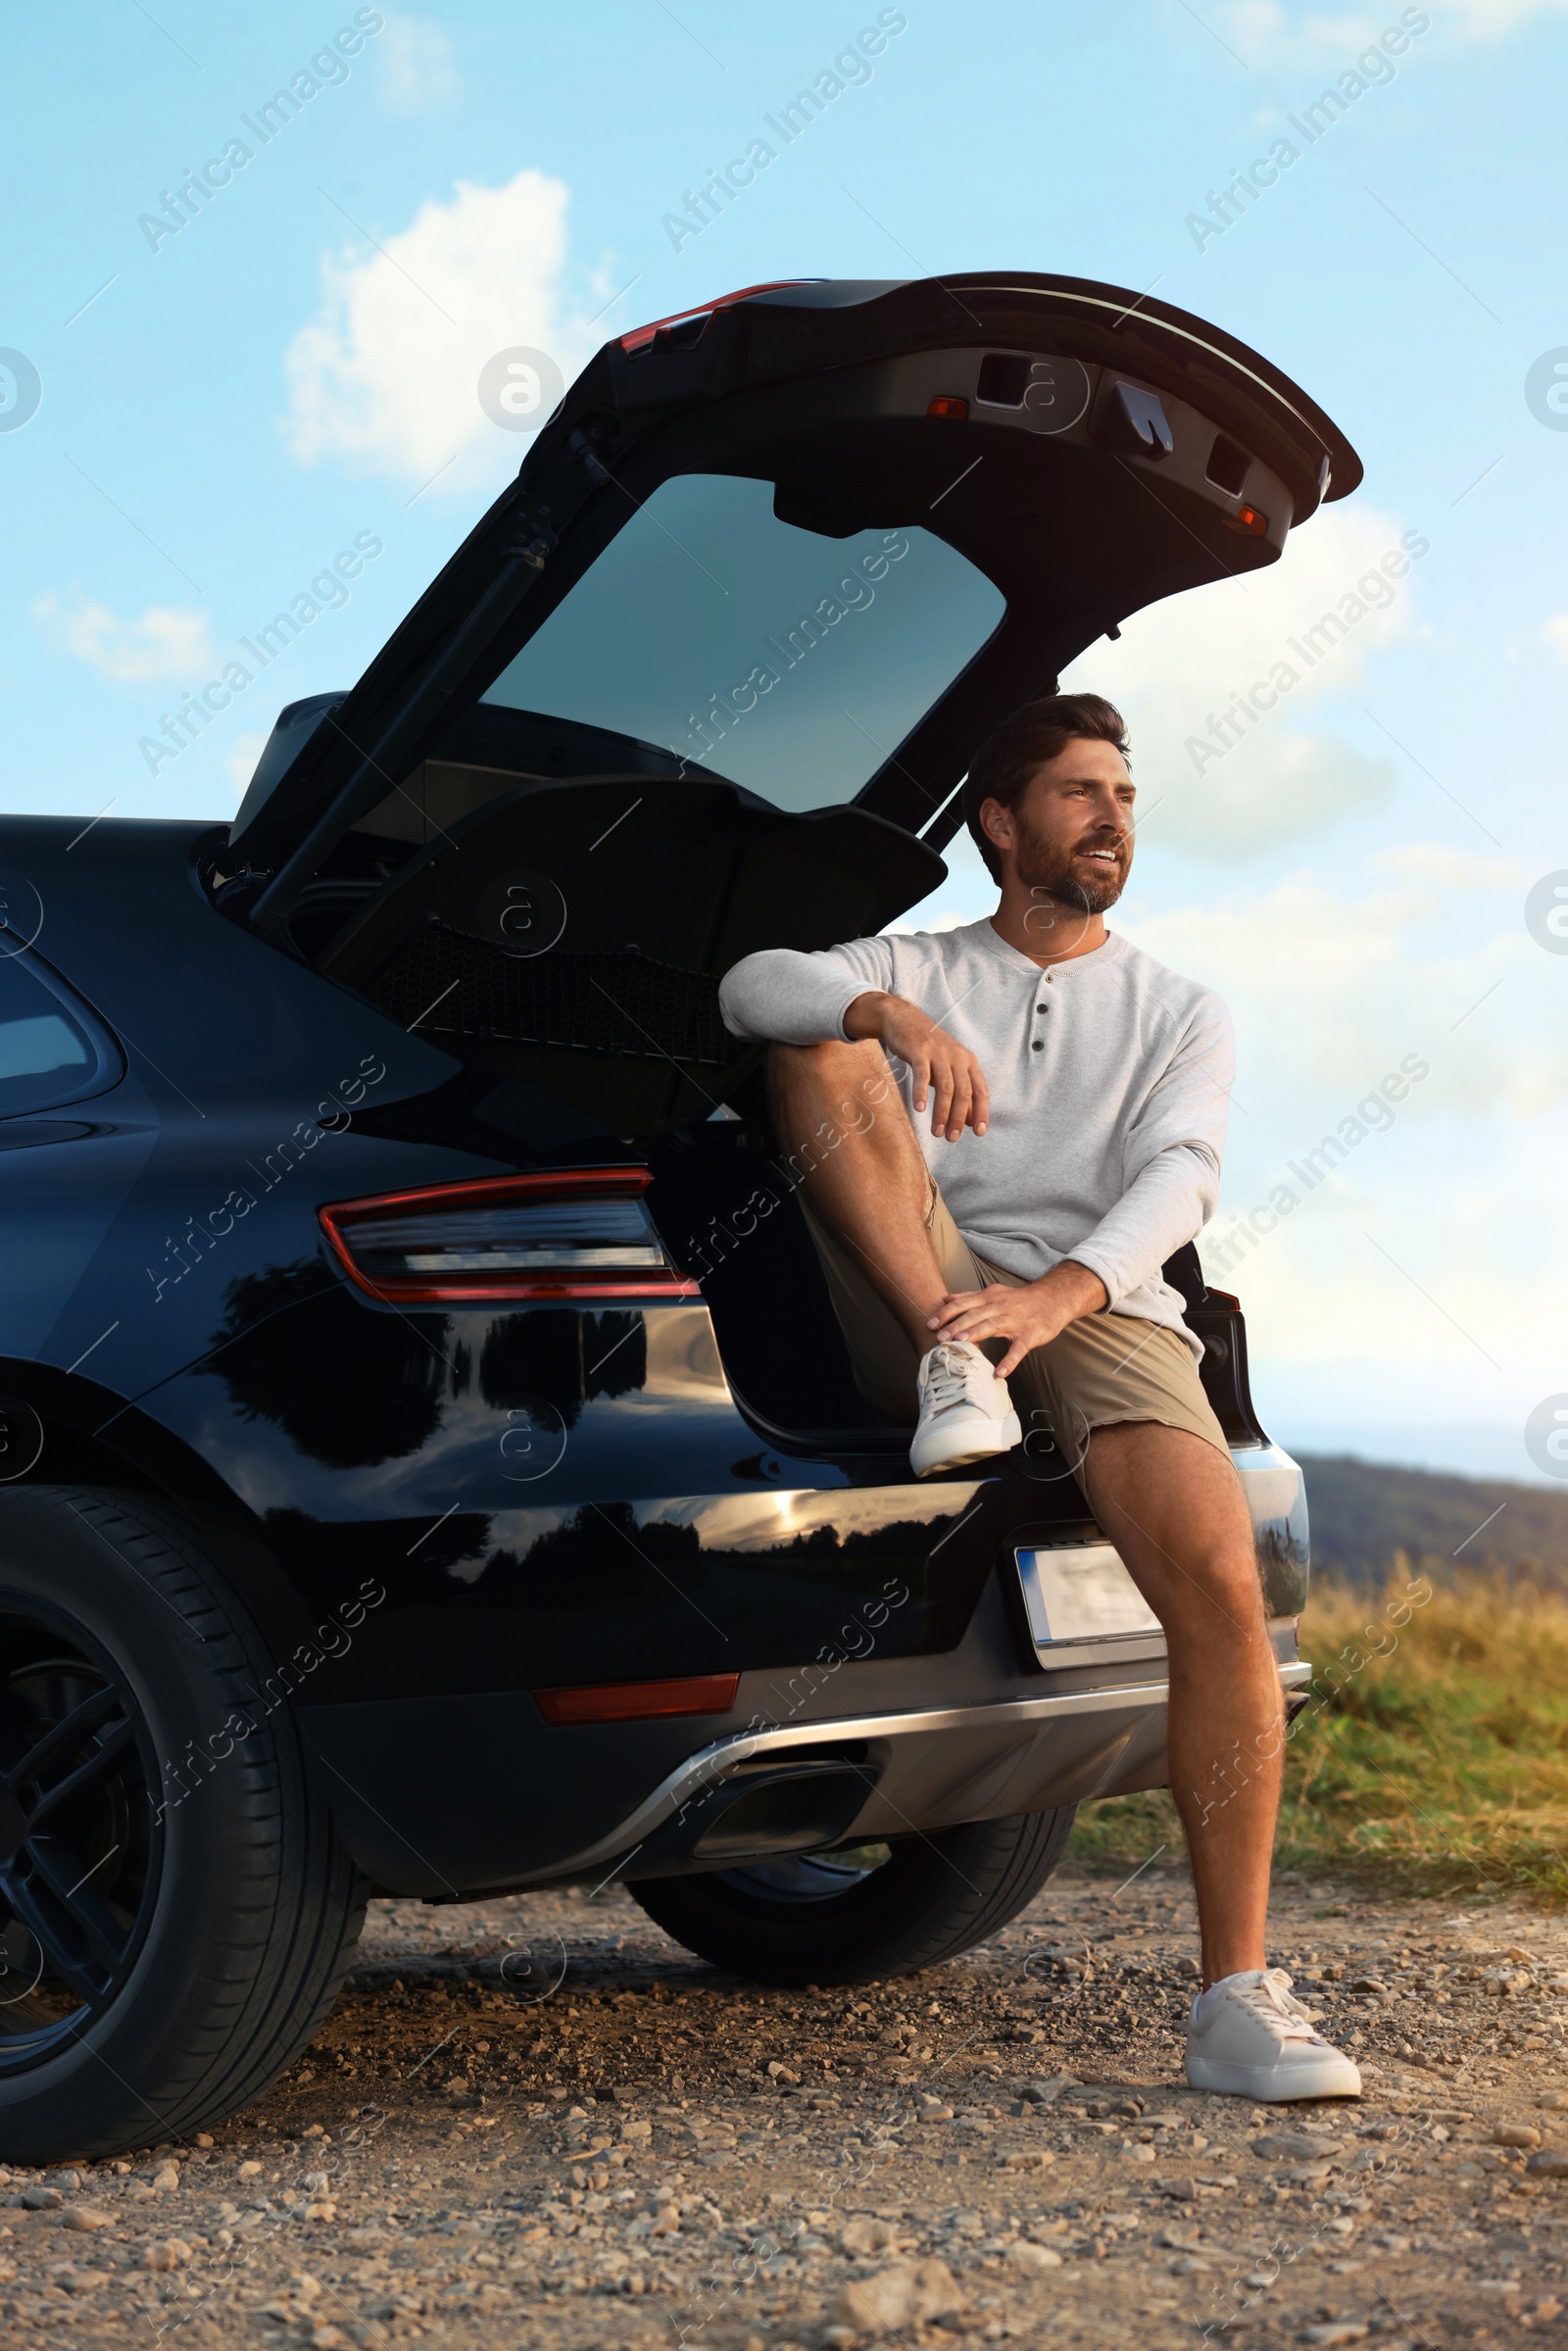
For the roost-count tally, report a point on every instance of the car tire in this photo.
(172, 1931)
(788, 1922)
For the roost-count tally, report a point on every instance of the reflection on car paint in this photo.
(1276, 1497)
(758, 1525)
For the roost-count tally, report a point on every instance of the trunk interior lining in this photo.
(642, 890)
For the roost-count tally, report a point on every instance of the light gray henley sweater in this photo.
(1109, 1082)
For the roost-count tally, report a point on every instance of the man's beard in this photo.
(1051, 876)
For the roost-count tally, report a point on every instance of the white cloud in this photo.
(412, 72)
(1556, 633)
(1181, 664)
(1453, 869)
(1493, 20)
(1332, 989)
(1385, 1290)
(386, 376)
(164, 643)
(1428, 1248)
(1265, 33)
(1280, 787)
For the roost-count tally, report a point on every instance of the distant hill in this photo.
(1363, 1511)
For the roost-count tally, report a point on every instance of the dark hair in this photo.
(1023, 743)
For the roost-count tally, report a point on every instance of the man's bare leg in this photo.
(1174, 1508)
(841, 1118)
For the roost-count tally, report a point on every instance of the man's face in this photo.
(1070, 831)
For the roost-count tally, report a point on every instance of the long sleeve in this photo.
(799, 999)
(1169, 1202)
(1171, 1160)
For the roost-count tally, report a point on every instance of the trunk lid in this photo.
(709, 675)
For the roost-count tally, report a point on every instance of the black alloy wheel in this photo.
(80, 1839)
(176, 1909)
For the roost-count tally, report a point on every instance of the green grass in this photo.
(1437, 1765)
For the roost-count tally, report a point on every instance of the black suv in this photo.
(430, 1462)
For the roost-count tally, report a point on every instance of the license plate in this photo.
(1080, 1592)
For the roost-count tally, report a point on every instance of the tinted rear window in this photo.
(46, 1054)
(790, 663)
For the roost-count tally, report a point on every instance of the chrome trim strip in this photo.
(710, 1763)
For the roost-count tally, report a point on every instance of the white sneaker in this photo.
(965, 1410)
(1247, 2036)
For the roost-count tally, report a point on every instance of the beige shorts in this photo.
(1101, 1369)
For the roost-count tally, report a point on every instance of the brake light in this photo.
(947, 404)
(1250, 520)
(582, 1233)
(641, 336)
(638, 1701)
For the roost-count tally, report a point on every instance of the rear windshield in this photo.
(788, 661)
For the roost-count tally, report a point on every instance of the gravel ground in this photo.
(539, 2122)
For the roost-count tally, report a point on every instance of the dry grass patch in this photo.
(1433, 1754)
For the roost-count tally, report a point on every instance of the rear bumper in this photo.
(471, 1794)
(925, 1770)
(449, 1798)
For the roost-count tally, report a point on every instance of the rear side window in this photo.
(50, 1049)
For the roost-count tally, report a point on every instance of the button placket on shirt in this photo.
(1039, 1043)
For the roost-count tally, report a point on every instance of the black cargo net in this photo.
(442, 982)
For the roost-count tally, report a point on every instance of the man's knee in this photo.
(1216, 1594)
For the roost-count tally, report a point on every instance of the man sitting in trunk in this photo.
(1070, 1093)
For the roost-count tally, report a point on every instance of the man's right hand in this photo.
(941, 1066)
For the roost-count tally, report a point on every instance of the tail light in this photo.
(638, 1701)
(582, 1233)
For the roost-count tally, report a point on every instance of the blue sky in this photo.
(223, 411)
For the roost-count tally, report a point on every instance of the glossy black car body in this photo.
(433, 1510)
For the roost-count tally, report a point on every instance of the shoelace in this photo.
(1269, 1999)
(950, 1369)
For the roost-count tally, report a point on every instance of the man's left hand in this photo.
(1030, 1316)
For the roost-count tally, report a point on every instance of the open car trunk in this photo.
(709, 675)
(708, 678)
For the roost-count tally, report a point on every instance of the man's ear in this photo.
(995, 822)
